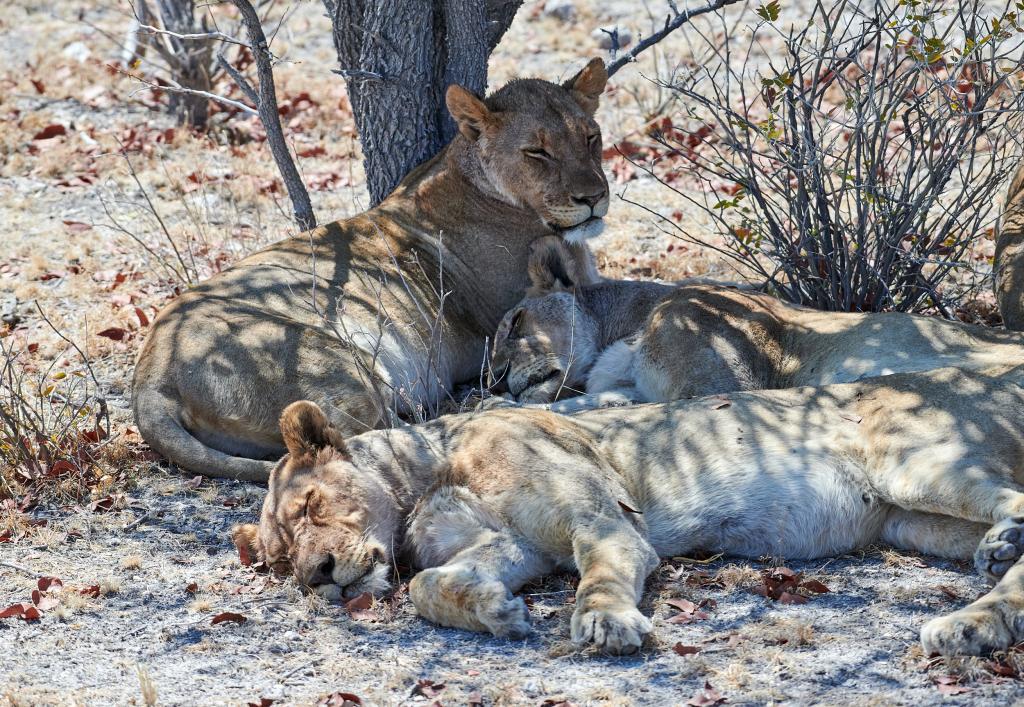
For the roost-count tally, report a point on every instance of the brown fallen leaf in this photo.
(339, 699)
(191, 588)
(114, 333)
(813, 585)
(143, 319)
(44, 602)
(228, 616)
(790, 598)
(359, 608)
(684, 605)
(427, 688)
(46, 583)
(948, 591)
(264, 702)
(680, 649)
(708, 697)
(92, 591)
(50, 131)
(26, 612)
(629, 509)
(950, 685)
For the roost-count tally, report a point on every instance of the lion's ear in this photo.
(306, 430)
(469, 112)
(247, 540)
(587, 86)
(552, 267)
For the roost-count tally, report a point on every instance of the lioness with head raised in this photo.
(632, 341)
(486, 502)
(379, 314)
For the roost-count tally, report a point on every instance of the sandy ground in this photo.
(143, 552)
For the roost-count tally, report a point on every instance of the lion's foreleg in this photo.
(993, 622)
(614, 559)
(473, 590)
(932, 534)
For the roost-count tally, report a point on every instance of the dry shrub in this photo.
(860, 167)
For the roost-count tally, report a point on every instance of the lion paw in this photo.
(504, 615)
(1000, 549)
(970, 631)
(615, 631)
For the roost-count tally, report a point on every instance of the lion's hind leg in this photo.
(474, 564)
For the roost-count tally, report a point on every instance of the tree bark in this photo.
(398, 57)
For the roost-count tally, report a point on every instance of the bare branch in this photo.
(672, 23)
(269, 116)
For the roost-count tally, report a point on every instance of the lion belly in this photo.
(797, 507)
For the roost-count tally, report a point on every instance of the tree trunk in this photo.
(398, 57)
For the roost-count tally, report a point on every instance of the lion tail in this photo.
(1009, 258)
(159, 419)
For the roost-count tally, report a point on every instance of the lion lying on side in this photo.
(630, 341)
(486, 502)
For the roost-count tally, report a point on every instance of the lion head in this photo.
(538, 145)
(323, 520)
(547, 343)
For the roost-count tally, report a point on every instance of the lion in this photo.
(377, 316)
(485, 502)
(633, 341)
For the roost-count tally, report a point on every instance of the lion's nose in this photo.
(590, 200)
(323, 572)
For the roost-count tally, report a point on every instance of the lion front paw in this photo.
(458, 597)
(970, 631)
(615, 631)
(1000, 549)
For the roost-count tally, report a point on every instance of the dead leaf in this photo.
(191, 587)
(950, 685)
(227, 616)
(114, 333)
(475, 699)
(243, 554)
(684, 605)
(948, 591)
(428, 688)
(26, 612)
(38, 85)
(264, 702)
(143, 319)
(359, 607)
(813, 585)
(629, 509)
(50, 131)
(680, 649)
(46, 583)
(77, 226)
(90, 591)
(851, 417)
(790, 598)
(339, 699)
(708, 697)
(44, 602)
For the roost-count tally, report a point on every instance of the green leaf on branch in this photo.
(769, 12)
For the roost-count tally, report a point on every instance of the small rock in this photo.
(291, 636)
(78, 51)
(603, 37)
(565, 10)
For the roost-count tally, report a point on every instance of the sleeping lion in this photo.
(485, 502)
(631, 341)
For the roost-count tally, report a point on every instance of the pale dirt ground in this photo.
(162, 561)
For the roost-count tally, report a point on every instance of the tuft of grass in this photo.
(131, 563)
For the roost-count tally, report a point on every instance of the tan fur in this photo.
(492, 500)
(643, 342)
(349, 314)
(1009, 256)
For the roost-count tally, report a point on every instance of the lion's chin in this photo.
(591, 228)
